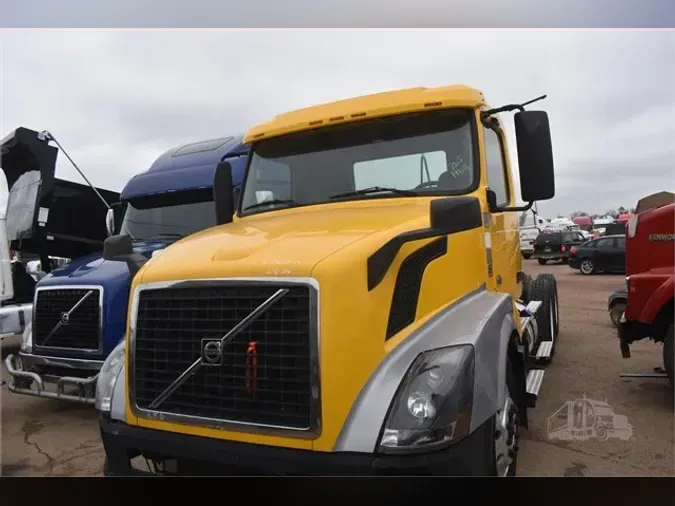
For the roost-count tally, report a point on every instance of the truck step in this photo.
(544, 350)
(533, 306)
(533, 385)
(659, 375)
(529, 310)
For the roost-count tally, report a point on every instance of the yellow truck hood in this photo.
(288, 242)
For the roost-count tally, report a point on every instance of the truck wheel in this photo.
(587, 267)
(553, 283)
(669, 354)
(106, 468)
(527, 256)
(541, 261)
(616, 311)
(506, 423)
(601, 433)
(527, 288)
(543, 290)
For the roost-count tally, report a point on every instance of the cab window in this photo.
(496, 168)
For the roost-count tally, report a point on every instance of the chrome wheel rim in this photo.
(586, 267)
(506, 436)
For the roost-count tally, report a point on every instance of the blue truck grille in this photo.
(265, 375)
(79, 330)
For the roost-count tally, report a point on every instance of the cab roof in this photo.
(186, 167)
(367, 106)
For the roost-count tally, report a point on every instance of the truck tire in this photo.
(543, 290)
(669, 355)
(106, 468)
(527, 288)
(527, 256)
(556, 305)
(541, 261)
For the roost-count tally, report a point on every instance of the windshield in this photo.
(168, 216)
(430, 153)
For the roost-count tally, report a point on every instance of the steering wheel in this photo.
(426, 184)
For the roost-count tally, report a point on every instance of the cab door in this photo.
(504, 232)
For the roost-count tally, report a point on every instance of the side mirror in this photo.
(110, 222)
(223, 193)
(535, 155)
(119, 248)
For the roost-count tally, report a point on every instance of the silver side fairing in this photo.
(482, 319)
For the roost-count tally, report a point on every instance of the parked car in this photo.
(556, 245)
(527, 238)
(605, 254)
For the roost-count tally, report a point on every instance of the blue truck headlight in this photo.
(107, 377)
(432, 407)
(27, 339)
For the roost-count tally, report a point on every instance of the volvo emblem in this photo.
(212, 353)
(65, 317)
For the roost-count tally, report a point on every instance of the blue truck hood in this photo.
(93, 270)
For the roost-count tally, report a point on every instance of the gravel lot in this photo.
(44, 437)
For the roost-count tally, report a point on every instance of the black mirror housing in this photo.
(223, 193)
(117, 247)
(120, 248)
(535, 155)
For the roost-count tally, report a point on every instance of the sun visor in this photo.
(47, 215)
(655, 200)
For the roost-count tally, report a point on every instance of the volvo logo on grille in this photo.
(65, 318)
(212, 352)
(212, 349)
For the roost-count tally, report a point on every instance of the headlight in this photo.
(27, 339)
(432, 407)
(105, 385)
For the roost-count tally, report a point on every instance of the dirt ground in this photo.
(44, 437)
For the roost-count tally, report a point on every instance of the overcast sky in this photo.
(118, 99)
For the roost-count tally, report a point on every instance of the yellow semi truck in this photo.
(360, 308)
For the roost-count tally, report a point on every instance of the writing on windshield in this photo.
(170, 216)
(427, 153)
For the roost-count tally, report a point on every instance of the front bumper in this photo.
(29, 374)
(199, 456)
(14, 317)
(620, 296)
(551, 255)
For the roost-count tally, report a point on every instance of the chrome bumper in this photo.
(86, 387)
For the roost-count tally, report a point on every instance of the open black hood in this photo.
(47, 215)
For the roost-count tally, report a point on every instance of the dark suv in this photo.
(556, 245)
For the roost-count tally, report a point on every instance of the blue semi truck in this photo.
(80, 309)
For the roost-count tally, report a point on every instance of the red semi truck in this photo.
(650, 277)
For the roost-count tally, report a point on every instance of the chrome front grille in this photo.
(68, 318)
(266, 375)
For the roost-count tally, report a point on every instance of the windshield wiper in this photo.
(376, 189)
(270, 202)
